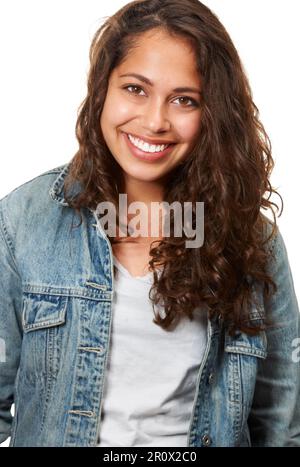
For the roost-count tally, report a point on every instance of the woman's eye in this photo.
(133, 87)
(192, 102)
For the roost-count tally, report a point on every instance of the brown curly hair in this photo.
(228, 169)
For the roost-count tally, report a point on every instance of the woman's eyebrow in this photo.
(147, 81)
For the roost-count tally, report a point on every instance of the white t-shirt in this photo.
(150, 380)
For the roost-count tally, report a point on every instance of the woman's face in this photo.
(151, 109)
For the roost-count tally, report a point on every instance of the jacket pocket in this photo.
(43, 311)
(244, 344)
(43, 319)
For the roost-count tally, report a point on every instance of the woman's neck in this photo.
(144, 192)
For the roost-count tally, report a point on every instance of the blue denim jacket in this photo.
(56, 293)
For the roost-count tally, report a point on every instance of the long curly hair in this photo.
(228, 169)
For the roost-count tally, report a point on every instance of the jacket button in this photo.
(206, 440)
(211, 378)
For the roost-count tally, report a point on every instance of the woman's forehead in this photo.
(159, 57)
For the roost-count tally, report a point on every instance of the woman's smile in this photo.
(148, 152)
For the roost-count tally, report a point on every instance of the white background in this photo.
(44, 63)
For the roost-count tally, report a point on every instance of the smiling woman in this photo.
(155, 115)
(149, 341)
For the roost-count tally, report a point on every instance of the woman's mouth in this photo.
(146, 151)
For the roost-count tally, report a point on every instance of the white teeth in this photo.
(146, 147)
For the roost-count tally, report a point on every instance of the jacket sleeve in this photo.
(10, 326)
(275, 414)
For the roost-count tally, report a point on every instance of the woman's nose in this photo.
(155, 118)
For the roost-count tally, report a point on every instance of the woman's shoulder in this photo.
(32, 198)
(39, 182)
(274, 241)
(278, 264)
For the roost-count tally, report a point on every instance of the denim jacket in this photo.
(56, 294)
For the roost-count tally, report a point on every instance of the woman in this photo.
(121, 337)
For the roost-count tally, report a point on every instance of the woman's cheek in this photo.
(126, 111)
(188, 128)
(112, 119)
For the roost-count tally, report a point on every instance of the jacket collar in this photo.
(56, 191)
